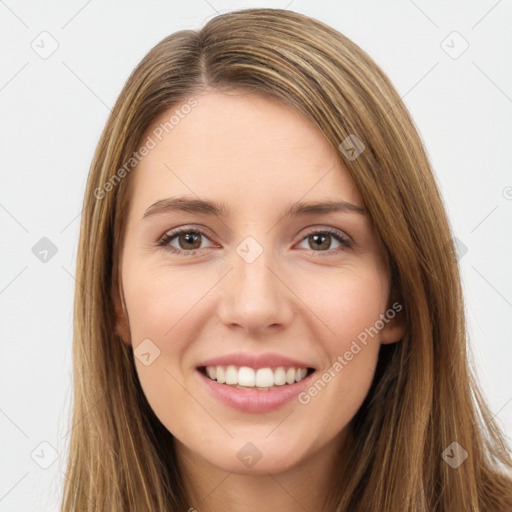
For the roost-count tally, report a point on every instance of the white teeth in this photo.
(220, 374)
(247, 377)
(300, 374)
(231, 375)
(279, 376)
(264, 378)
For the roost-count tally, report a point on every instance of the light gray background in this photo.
(52, 113)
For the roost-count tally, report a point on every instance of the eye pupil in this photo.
(321, 245)
(189, 238)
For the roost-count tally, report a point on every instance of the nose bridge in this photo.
(253, 295)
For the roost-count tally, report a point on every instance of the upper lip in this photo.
(265, 360)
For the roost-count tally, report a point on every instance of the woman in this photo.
(270, 311)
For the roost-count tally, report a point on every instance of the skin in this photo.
(258, 156)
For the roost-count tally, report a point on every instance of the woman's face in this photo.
(263, 291)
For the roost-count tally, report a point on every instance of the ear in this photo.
(394, 321)
(121, 316)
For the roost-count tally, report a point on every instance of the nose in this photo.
(254, 296)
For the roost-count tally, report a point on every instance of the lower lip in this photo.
(255, 401)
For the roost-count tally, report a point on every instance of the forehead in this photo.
(239, 146)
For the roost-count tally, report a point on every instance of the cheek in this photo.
(161, 317)
(350, 303)
(161, 301)
(159, 305)
(352, 308)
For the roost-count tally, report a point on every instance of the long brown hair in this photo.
(424, 396)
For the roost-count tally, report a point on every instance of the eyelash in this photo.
(164, 241)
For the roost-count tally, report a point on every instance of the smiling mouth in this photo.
(256, 379)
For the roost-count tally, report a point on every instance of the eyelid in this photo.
(327, 229)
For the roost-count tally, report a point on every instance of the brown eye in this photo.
(319, 241)
(189, 240)
(322, 240)
(183, 241)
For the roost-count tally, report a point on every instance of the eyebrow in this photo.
(222, 210)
